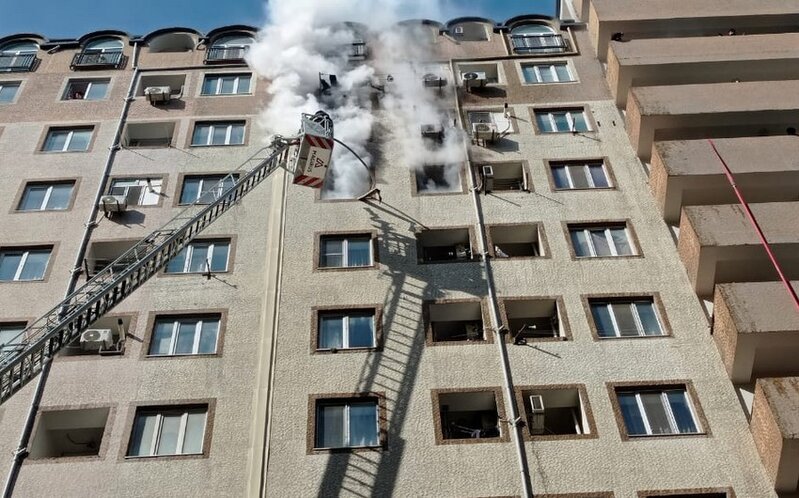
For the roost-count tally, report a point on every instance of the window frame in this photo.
(551, 65)
(203, 177)
(178, 407)
(158, 190)
(550, 113)
(318, 313)
(667, 409)
(25, 254)
(606, 226)
(499, 402)
(201, 317)
(631, 302)
(89, 83)
(211, 130)
(70, 130)
(211, 243)
(10, 325)
(552, 164)
(334, 399)
(17, 85)
(218, 86)
(49, 184)
(321, 237)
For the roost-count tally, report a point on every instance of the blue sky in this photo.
(72, 18)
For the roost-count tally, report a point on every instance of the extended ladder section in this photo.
(25, 356)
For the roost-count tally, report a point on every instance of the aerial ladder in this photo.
(24, 356)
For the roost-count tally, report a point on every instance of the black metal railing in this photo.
(539, 43)
(233, 54)
(87, 59)
(15, 63)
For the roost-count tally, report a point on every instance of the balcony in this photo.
(97, 60)
(756, 330)
(720, 110)
(17, 63)
(539, 43)
(688, 172)
(775, 428)
(719, 245)
(687, 18)
(710, 59)
(223, 55)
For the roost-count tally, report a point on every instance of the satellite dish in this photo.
(470, 76)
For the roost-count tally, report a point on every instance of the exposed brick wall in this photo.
(688, 247)
(766, 433)
(724, 331)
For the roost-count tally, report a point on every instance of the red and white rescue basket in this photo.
(314, 151)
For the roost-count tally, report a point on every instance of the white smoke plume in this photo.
(306, 38)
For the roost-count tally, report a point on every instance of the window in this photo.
(497, 118)
(476, 75)
(651, 412)
(579, 175)
(345, 251)
(149, 134)
(86, 89)
(685, 494)
(18, 56)
(68, 139)
(556, 411)
(357, 49)
(9, 331)
(205, 189)
(503, 177)
(467, 415)
(218, 133)
(185, 335)
(533, 319)
(626, 317)
(347, 423)
(229, 47)
(449, 322)
(174, 83)
(99, 53)
(600, 241)
(350, 329)
(23, 264)
(68, 433)
(137, 191)
(226, 84)
(444, 245)
(168, 431)
(8, 91)
(562, 121)
(438, 178)
(536, 38)
(46, 196)
(556, 72)
(515, 241)
(200, 257)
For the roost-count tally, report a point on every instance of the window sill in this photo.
(344, 268)
(180, 356)
(29, 211)
(499, 439)
(216, 145)
(347, 449)
(456, 261)
(63, 151)
(616, 338)
(226, 95)
(183, 456)
(631, 437)
(346, 350)
(557, 437)
(187, 273)
(476, 342)
(585, 189)
(22, 281)
(593, 258)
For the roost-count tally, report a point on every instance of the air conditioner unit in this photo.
(473, 331)
(458, 31)
(488, 178)
(433, 132)
(96, 339)
(473, 79)
(462, 251)
(113, 204)
(156, 94)
(484, 131)
(536, 414)
(433, 81)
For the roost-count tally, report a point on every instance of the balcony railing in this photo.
(539, 43)
(91, 60)
(225, 54)
(14, 63)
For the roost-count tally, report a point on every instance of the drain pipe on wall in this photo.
(22, 449)
(514, 421)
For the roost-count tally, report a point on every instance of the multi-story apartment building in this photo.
(575, 306)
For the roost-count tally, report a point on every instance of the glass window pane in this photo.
(598, 175)
(35, 265)
(228, 84)
(178, 263)
(9, 262)
(209, 85)
(547, 76)
(577, 173)
(219, 134)
(358, 252)
(600, 241)
(632, 416)
(59, 196)
(168, 441)
(7, 92)
(237, 134)
(199, 257)
(162, 337)
(80, 140)
(186, 333)
(656, 413)
(141, 439)
(529, 74)
(580, 243)
(602, 320)
(97, 90)
(332, 253)
(678, 402)
(560, 176)
(649, 320)
(330, 426)
(625, 319)
(244, 84)
(208, 336)
(56, 140)
(195, 430)
(191, 190)
(201, 133)
(33, 198)
(563, 72)
(580, 124)
(331, 332)
(543, 122)
(561, 121)
(361, 328)
(619, 236)
(363, 424)
(219, 256)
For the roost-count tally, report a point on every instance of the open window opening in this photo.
(148, 135)
(438, 178)
(161, 88)
(556, 412)
(534, 319)
(479, 75)
(172, 42)
(456, 322)
(516, 241)
(105, 337)
(444, 245)
(102, 254)
(67, 433)
(503, 177)
(469, 415)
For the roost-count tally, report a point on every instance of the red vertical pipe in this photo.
(756, 225)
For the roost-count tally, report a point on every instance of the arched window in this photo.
(100, 53)
(229, 48)
(101, 45)
(18, 55)
(538, 38)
